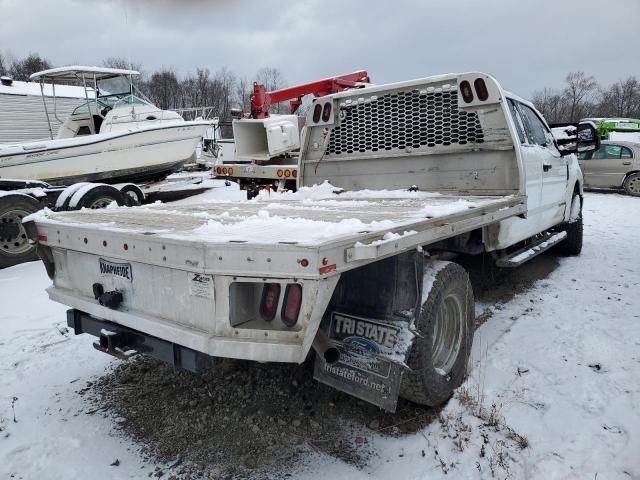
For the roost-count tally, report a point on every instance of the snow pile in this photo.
(300, 230)
(326, 191)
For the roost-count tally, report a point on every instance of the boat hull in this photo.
(133, 155)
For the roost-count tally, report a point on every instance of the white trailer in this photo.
(352, 267)
(23, 117)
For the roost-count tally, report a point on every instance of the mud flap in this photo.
(372, 355)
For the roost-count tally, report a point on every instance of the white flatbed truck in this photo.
(353, 267)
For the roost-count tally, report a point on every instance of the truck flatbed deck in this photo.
(332, 234)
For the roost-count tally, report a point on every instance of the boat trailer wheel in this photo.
(100, 202)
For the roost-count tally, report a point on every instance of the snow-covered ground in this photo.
(556, 368)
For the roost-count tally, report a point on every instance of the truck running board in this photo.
(543, 244)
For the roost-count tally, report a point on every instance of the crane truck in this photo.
(255, 166)
(355, 271)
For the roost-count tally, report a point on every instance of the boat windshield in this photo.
(115, 86)
(109, 102)
(89, 107)
(114, 101)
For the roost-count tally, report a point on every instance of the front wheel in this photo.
(439, 355)
(632, 184)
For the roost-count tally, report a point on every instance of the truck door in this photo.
(554, 168)
(607, 166)
(531, 164)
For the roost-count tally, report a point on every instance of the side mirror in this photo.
(576, 137)
(588, 138)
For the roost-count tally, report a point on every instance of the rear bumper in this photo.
(261, 348)
(253, 171)
(130, 340)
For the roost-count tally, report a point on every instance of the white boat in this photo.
(114, 136)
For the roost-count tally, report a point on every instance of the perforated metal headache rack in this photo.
(412, 118)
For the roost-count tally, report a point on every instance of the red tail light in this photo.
(465, 90)
(224, 170)
(326, 112)
(291, 305)
(218, 170)
(295, 173)
(481, 89)
(269, 302)
(317, 111)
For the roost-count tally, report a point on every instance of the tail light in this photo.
(218, 170)
(279, 173)
(295, 174)
(481, 89)
(287, 173)
(291, 305)
(269, 302)
(465, 90)
(224, 170)
(317, 111)
(230, 171)
(326, 112)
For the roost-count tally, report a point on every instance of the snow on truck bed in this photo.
(310, 216)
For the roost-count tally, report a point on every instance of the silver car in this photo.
(615, 165)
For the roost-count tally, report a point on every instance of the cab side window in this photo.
(626, 153)
(536, 130)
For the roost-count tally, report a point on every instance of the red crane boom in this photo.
(261, 100)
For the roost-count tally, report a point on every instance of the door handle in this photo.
(626, 163)
(546, 167)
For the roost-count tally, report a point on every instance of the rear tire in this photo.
(14, 241)
(132, 194)
(572, 245)
(98, 196)
(632, 184)
(438, 358)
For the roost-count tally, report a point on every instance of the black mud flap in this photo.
(371, 363)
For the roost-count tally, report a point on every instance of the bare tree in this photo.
(622, 99)
(21, 69)
(272, 79)
(578, 94)
(551, 104)
(163, 89)
(243, 90)
(222, 91)
(3, 64)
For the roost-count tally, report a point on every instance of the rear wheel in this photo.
(439, 356)
(14, 241)
(632, 184)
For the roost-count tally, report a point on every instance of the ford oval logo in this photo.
(362, 343)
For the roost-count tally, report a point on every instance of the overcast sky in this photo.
(526, 44)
